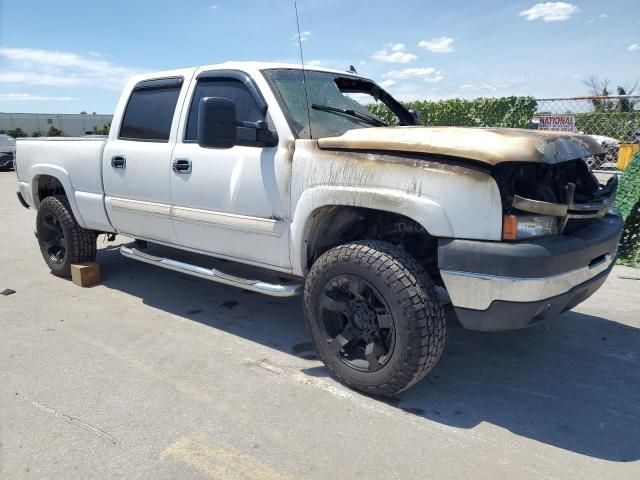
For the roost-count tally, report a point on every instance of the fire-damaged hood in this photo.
(487, 145)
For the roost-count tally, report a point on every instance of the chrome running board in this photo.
(272, 289)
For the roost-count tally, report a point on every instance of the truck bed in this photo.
(70, 159)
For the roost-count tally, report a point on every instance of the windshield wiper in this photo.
(371, 120)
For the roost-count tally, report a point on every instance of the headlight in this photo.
(518, 227)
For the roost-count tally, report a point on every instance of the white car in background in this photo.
(611, 146)
(7, 150)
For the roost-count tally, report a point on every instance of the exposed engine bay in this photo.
(568, 190)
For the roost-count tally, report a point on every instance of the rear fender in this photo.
(59, 173)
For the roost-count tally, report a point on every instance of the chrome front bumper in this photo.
(501, 286)
(478, 292)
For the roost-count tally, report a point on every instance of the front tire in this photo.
(374, 316)
(62, 241)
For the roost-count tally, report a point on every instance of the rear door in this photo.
(136, 164)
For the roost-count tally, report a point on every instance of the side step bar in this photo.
(272, 289)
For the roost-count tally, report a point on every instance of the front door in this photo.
(228, 201)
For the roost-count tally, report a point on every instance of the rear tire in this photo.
(374, 316)
(62, 241)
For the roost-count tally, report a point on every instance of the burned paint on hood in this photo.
(487, 145)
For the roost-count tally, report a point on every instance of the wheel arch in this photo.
(322, 213)
(47, 180)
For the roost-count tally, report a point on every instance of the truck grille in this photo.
(575, 224)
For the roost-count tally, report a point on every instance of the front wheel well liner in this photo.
(334, 225)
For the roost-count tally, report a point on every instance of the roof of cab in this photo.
(249, 67)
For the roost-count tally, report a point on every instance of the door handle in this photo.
(119, 161)
(182, 165)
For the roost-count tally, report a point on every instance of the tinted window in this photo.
(150, 110)
(247, 109)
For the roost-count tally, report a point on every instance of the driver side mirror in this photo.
(218, 127)
(217, 123)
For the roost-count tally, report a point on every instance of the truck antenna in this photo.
(304, 76)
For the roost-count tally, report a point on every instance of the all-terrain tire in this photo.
(418, 316)
(79, 244)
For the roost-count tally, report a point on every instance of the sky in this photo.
(70, 56)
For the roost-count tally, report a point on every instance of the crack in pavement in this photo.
(95, 430)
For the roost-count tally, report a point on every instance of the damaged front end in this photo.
(566, 239)
(545, 199)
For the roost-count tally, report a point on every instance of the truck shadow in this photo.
(572, 383)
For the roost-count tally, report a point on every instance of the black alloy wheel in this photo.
(52, 238)
(357, 322)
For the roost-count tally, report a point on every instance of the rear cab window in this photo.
(150, 109)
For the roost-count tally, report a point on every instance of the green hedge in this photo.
(628, 203)
(514, 112)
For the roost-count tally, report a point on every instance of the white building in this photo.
(72, 124)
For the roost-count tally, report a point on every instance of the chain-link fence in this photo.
(614, 121)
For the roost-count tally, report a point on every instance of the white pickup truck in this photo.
(240, 161)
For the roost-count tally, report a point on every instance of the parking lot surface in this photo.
(152, 374)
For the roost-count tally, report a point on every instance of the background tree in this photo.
(55, 132)
(626, 104)
(17, 133)
(600, 88)
(103, 130)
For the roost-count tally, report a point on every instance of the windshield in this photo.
(336, 103)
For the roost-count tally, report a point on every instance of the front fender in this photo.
(425, 211)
